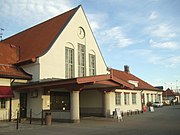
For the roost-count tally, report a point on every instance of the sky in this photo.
(144, 34)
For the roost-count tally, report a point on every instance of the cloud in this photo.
(168, 60)
(96, 20)
(33, 11)
(115, 37)
(162, 31)
(163, 45)
(153, 15)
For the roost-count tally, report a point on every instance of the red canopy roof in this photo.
(6, 91)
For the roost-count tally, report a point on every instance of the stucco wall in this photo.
(109, 103)
(15, 104)
(53, 62)
(34, 103)
(154, 93)
(5, 82)
(34, 70)
(130, 106)
(4, 112)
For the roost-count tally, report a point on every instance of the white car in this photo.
(157, 104)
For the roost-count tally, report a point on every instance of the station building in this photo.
(57, 66)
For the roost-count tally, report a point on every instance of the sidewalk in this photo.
(11, 126)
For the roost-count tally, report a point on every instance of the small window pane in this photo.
(69, 62)
(3, 102)
(118, 98)
(92, 65)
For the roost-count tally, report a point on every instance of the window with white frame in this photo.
(147, 97)
(126, 98)
(69, 62)
(118, 98)
(81, 60)
(134, 98)
(92, 64)
(2, 103)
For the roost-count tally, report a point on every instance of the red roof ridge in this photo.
(128, 76)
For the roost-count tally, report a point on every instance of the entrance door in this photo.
(23, 105)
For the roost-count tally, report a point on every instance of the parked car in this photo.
(157, 104)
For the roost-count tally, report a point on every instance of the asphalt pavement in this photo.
(164, 121)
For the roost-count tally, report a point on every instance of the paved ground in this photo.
(164, 121)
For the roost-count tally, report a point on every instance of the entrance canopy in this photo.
(6, 92)
(101, 82)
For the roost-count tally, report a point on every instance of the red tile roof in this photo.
(9, 56)
(10, 71)
(168, 93)
(36, 41)
(125, 76)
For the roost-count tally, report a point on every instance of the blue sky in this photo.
(144, 34)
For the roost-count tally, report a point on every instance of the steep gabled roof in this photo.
(125, 76)
(168, 93)
(36, 41)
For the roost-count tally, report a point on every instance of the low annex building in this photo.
(57, 66)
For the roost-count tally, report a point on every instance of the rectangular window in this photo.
(133, 98)
(126, 98)
(92, 64)
(3, 102)
(159, 97)
(118, 98)
(69, 62)
(81, 60)
(60, 101)
(147, 97)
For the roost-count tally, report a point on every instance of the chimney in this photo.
(126, 69)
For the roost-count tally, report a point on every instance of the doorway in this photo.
(23, 105)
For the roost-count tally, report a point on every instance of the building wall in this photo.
(15, 104)
(109, 103)
(130, 106)
(53, 62)
(5, 82)
(91, 103)
(34, 70)
(154, 93)
(4, 112)
(34, 103)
